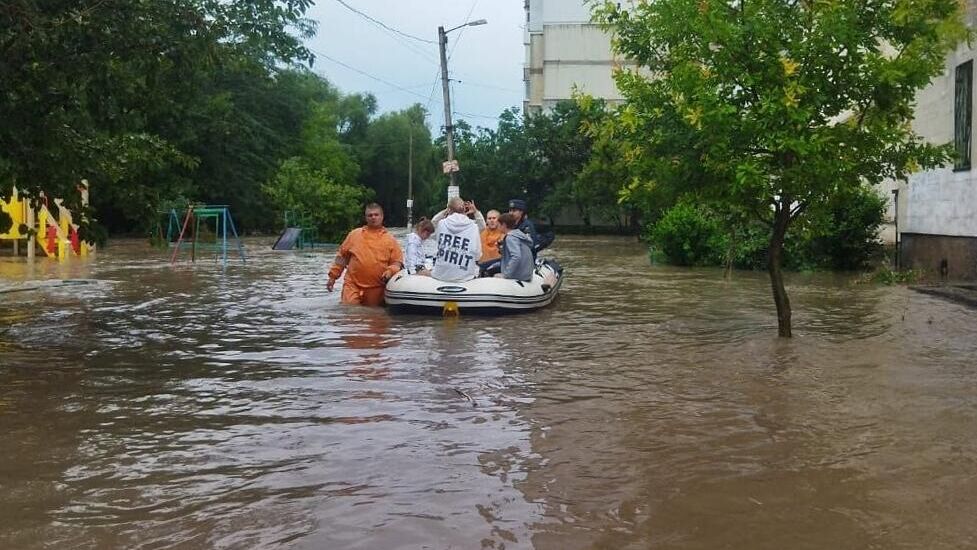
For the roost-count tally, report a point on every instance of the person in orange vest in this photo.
(370, 256)
(491, 236)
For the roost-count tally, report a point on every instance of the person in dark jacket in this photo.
(517, 207)
(517, 251)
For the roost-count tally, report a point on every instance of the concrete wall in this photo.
(565, 52)
(564, 11)
(576, 42)
(927, 252)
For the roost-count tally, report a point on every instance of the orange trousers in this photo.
(372, 296)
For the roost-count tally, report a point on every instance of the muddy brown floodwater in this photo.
(152, 406)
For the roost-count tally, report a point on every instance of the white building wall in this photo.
(941, 201)
(565, 11)
(565, 53)
(576, 42)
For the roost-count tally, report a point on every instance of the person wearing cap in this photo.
(517, 207)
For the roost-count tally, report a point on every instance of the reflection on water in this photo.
(650, 407)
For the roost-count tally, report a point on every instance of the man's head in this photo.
(456, 205)
(492, 219)
(374, 215)
(517, 207)
(508, 221)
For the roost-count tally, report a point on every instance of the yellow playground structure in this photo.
(56, 235)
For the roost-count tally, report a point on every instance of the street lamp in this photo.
(451, 167)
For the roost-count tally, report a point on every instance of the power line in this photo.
(489, 86)
(368, 75)
(384, 25)
(489, 117)
(463, 29)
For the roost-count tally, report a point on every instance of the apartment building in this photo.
(565, 52)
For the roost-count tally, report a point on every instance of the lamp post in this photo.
(448, 126)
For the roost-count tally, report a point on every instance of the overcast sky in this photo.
(486, 61)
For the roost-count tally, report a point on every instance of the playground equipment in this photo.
(197, 215)
(299, 232)
(57, 235)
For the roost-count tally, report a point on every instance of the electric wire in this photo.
(384, 25)
(368, 75)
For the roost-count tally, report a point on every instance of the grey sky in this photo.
(487, 60)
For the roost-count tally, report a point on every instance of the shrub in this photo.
(845, 235)
(841, 235)
(689, 234)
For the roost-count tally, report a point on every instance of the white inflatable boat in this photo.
(482, 295)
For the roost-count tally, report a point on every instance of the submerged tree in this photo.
(779, 106)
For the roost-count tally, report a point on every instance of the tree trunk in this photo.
(775, 254)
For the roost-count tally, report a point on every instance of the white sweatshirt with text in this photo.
(459, 248)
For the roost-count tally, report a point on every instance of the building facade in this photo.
(936, 210)
(565, 52)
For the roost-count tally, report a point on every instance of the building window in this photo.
(963, 106)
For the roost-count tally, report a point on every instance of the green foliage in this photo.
(545, 158)
(777, 107)
(386, 150)
(885, 275)
(842, 236)
(103, 89)
(688, 234)
(332, 207)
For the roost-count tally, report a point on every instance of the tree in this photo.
(385, 151)
(780, 104)
(332, 207)
(87, 86)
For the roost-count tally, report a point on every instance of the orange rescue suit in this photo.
(490, 244)
(368, 255)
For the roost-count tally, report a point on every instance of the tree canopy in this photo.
(774, 107)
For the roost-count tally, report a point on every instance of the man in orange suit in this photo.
(370, 256)
(491, 236)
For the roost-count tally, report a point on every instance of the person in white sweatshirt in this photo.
(459, 245)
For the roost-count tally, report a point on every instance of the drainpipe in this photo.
(895, 220)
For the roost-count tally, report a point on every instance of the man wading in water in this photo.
(459, 245)
(370, 256)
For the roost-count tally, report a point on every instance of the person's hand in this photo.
(330, 284)
(389, 273)
(472, 205)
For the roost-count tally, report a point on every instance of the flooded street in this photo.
(152, 406)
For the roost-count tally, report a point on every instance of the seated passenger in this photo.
(459, 246)
(414, 258)
(517, 250)
(517, 207)
(491, 236)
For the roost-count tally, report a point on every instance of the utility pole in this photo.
(448, 126)
(410, 176)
